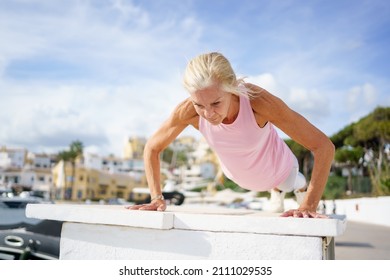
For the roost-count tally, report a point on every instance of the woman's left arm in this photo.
(273, 109)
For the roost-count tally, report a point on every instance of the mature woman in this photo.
(237, 119)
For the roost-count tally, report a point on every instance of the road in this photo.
(362, 241)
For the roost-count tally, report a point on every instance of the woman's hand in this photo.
(297, 213)
(155, 205)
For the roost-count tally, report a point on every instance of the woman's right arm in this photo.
(183, 115)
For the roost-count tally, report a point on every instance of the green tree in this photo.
(345, 137)
(75, 150)
(335, 188)
(349, 157)
(303, 155)
(167, 155)
(175, 157)
(374, 132)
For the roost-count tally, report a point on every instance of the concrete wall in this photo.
(113, 232)
(102, 242)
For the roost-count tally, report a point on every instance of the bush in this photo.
(335, 187)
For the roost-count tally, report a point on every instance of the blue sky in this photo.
(101, 71)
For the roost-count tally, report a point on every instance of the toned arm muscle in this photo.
(183, 115)
(270, 108)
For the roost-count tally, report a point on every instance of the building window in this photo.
(103, 189)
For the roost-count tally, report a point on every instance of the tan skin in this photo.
(217, 106)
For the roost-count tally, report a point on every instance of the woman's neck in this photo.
(233, 111)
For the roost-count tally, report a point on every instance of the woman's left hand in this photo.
(297, 213)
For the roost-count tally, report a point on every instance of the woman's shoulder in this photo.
(185, 113)
(258, 96)
(263, 102)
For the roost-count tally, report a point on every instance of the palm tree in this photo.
(75, 150)
(62, 157)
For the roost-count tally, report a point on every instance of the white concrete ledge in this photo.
(113, 232)
(207, 219)
(256, 222)
(100, 214)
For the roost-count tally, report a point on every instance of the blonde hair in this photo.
(207, 69)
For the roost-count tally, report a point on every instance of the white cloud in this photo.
(266, 81)
(361, 96)
(102, 70)
(353, 98)
(361, 100)
(116, 42)
(129, 67)
(370, 93)
(130, 12)
(308, 102)
(99, 116)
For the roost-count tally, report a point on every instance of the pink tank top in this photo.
(253, 157)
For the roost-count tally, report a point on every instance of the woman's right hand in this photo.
(155, 205)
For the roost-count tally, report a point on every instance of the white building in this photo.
(44, 161)
(114, 165)
(25, 170)
(14, 158)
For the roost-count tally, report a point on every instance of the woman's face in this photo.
(212, 104)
